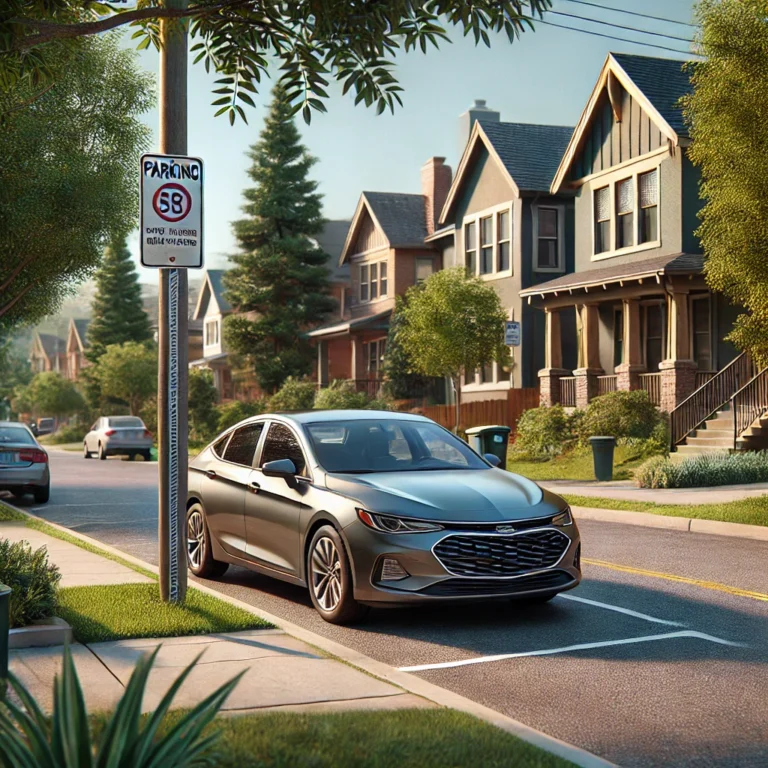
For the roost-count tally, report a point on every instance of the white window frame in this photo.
(560, 208)
(492, 213)
(212, 331)
(382, 287)
(380, 344)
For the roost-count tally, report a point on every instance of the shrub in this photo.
(33, 581)
(234, 412)
(545, 432)
(343, 395)
(704, 471)
(621, 414)
(148, 415)
(202, 404)
(294, 395)
(72, 433)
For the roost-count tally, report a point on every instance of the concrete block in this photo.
(41, 633)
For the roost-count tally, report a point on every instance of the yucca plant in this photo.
(30, 739)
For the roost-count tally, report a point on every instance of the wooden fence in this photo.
(486, 412)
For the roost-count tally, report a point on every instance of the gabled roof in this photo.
(77, 332)
(401, 218)
(51, 345)
(656, 84)
(528, 154)
(213, 286)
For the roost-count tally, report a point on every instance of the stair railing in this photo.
(749, 403)
(692, 412)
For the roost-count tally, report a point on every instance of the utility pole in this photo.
(173, 333)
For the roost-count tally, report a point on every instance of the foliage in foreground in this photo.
(704, 471)
(623, 414)
(294, 395)
(545, 432)
(33, 580)
(344, 395)
(30, 739)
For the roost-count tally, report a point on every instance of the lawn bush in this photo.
(71, 433)
(294, 395)
(237, 410)
(704, 471)
(545, 432)
(343, 394)
(622, 414)
(33, 580)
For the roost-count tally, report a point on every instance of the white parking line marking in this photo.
(570, 648)
(618, 609)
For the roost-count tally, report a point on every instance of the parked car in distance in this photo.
(46, 426)
(368, 508)
(23, 463)
(118, 436)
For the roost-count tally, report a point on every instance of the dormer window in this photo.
(211, 332)
(373, 281)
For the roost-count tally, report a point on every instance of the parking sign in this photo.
(512, 334)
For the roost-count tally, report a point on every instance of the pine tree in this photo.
(118, 313)
(280, 276)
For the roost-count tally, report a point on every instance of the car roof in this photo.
(14, 424)
(314, 417)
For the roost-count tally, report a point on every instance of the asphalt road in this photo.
(640, 669)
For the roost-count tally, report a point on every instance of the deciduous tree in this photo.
(128, 372)
(49, 394)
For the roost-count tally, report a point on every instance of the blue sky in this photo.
(544, 77)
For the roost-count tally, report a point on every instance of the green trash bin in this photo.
(5, 628)
(602, 455)
(490, 441)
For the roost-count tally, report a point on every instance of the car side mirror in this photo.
(284, 468)
(492, 459)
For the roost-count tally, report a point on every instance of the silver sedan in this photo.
(118, 436)
(23, 462)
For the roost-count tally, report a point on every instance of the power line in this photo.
(631, 13)
(620, 26)
(612, 37)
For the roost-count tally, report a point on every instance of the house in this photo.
(76, 346)
(510, 231)
(49, 353)
(391, 244)
(646, 317)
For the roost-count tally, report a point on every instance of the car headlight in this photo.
(564, 518)
(389, 524)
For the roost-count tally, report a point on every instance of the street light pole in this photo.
(173, 333)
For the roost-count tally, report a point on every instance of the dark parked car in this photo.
(371, 507)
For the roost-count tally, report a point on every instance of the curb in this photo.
(405, 680)
(687, 524)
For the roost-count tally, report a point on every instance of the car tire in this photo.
(42, 494)
(102, 453)
(86, 452)
(329, 578)
(199, 551)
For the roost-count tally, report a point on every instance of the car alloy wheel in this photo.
(195, 539)
(326, 574)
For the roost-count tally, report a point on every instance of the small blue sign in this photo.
(512, 334)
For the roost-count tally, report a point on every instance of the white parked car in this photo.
(118, 436)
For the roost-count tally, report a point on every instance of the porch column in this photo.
(358, 361)
(322, 363)
(550, 375)
(678, 371)
(586, 376)
(629, 370)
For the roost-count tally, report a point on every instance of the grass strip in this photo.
(578, 466)
(123, 611)
(750, 511)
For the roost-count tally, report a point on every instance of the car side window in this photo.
(95, 426)
(281, 443)
(220, 445)
(242, 446)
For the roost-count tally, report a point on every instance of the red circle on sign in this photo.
(172, 202)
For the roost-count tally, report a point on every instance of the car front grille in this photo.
(500, 555)
(469, 587)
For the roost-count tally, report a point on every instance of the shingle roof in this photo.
(673, 264)
(402, 216)
(663, 81)
(530, 153)
(81, 326)
(53, 345)
(217, 286)
(332, 240)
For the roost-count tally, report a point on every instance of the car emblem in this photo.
(505, 529)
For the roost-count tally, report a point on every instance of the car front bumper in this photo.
(430, 580)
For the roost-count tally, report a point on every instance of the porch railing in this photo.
(702, 377)
(710, 397)
(749, 403)
(651, 383)
(606, 384)
(568, 391)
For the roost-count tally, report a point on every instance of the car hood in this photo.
(453, 495)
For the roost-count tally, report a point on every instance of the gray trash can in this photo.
(5, 628)
(492, 439)
(602, 455)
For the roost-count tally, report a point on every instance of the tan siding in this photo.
(369, 236)
(492, 188)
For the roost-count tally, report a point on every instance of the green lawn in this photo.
(578, 466)
(122, 611)
(751, 511)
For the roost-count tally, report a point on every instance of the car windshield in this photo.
(15, 435)
(125, 421)
(388, 445)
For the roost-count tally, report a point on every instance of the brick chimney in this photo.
(435, 183)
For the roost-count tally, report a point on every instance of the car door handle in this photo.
(254, 487)
(210, 474)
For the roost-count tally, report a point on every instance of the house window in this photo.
(503, 240)
(374, 281)
(383, 278)
(602, 219)
(469, 377)
(211, 332)
(470, 247)
(625, 212)
(648, 192)
(374, 354)
(618, 336)
(548, 253)
(486, 245)
(423, 270)
(702, 336)
(364, 282)
(486, 374)
(653, 325)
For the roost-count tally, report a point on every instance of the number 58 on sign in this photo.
(171, 211)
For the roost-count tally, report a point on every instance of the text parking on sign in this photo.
(171, 211)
